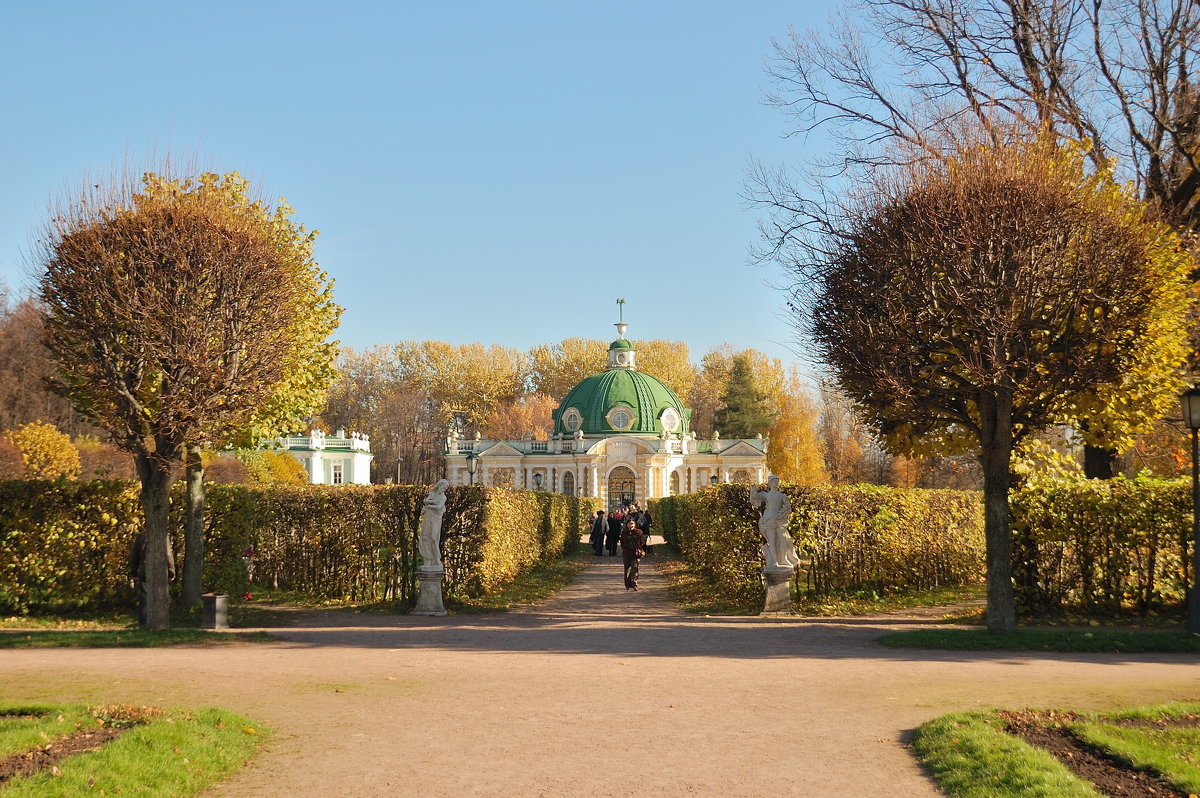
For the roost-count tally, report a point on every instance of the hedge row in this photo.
(1101, 545)
(65, 544)
(851, 537)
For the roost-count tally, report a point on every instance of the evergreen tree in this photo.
(744, 410)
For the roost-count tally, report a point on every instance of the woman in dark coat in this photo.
(596, 538)
(614, 532)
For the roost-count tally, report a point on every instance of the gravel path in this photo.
(596, 692)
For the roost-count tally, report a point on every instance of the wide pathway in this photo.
(599, 691)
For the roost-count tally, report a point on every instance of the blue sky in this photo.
(478, 171)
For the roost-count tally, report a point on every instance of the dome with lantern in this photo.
(621, 400)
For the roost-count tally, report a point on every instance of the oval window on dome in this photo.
(670, 419)
(620, 418)
(572, 419)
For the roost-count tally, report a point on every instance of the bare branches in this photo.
(905, 79)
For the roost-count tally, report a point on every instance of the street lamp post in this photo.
(1191, 416)
(537, 481)
(472, 465)
(713, 480)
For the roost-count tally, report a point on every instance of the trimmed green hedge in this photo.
(1101, 545)
(65, 544)
(851, 538)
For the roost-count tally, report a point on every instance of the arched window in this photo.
(568, 484)
(622, 485)
(674, 483)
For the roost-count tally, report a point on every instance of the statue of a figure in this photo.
(430, 540)
(778, 548)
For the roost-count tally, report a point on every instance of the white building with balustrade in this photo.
(337, 459)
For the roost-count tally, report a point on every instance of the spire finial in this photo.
(621, 325)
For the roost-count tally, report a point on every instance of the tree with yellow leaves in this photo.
(522, 418)
(46, 453)
(965, 304)
(794, 454)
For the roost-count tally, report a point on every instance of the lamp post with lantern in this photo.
(472, 465)
(537, 481)
(1191, 417)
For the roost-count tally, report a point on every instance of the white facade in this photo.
(614, 468)
(337, 459)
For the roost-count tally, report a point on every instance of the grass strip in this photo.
(695, 594)
(538, 585)
(971, 756)
(124, 638)
(1060, 640)
(1147, 740)
(174, 753)
(24, 727)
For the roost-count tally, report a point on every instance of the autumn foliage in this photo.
(966, 304)
(174, 311)
(65, 544)
(849, 538)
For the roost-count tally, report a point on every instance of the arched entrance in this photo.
(622, 484)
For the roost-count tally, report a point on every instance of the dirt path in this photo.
(550, 700)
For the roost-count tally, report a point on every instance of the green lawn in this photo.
(1063, 640)
(162, 753)
(972, 756)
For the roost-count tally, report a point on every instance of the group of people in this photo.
(628, 525)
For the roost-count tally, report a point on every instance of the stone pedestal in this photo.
(429, 599)
(779, 597)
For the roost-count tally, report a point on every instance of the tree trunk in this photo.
(156, 504)
(1099, 463)
(193, 563)
(995, 410)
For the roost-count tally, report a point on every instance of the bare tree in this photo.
(25, 368)
(965, 304)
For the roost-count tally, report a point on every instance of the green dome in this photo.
(600, 403)
(620, 343)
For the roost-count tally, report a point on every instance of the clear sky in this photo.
(479, 171)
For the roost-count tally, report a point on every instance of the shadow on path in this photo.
(596, 615)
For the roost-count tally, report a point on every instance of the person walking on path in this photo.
(615, 522)
(599, 527)
(633, 548)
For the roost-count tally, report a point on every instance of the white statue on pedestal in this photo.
(429, 543)
(778, 547)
